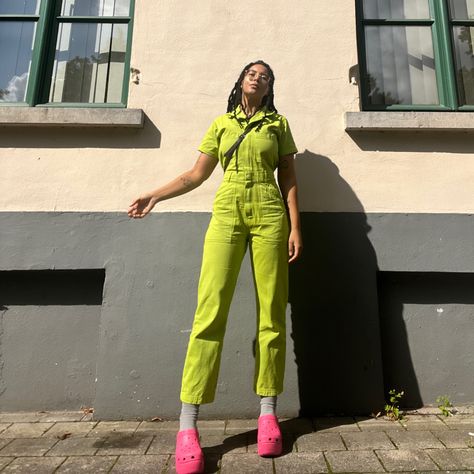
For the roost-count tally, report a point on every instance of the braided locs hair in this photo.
(235, 96)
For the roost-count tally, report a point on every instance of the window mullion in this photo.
(442, 47)
(128, 54)
(41, 45)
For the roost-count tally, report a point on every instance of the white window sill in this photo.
(70, 117)
(409, 121)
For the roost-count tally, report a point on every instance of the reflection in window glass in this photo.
(16, 45)
(462, 9)
(396, 9)
(19, 7)
(464, 58)
(400, 65)
(89, 63)
(95, 8)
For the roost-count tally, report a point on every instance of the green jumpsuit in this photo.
(248, 211)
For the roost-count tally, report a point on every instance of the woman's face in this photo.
(256, 82)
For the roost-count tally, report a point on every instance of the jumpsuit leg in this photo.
(269, 256)
(224, 249)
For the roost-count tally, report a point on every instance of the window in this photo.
(416, 54)
(65, 52)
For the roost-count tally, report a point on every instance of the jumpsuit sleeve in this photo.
(210, 143)
(286, 144)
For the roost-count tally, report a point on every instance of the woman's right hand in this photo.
(141, 206)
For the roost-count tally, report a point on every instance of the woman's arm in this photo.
(184, 183)
(287, 183)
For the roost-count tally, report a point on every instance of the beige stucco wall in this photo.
(189, 55)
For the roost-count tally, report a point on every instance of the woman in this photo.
(250, 141)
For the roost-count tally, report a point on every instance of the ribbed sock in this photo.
(188, 417)
(268, 405)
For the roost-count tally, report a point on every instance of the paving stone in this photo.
(442, 472)
(75, 429)
(353, 461)
(76, 447)
(245, 464)
(240, 426)
(125, 445)
(212, 426)
(58, 416)
(4, 442)
(337, 424)
(419, 439)
(406, 460)
(302, 463)
(28, 447)
(222, 444)
(455, 438)
(298, 426)
(5, 461)
(89, 464)
(460, 422)
(25, 430)
(4, 426)
(107, 428)
(378, 424)
(453, 458)
(21, 417)
(320, 442)
(367, 440)
(159, 426)
(140, 464)
(38, 465)
(423, 423)
(163, 443)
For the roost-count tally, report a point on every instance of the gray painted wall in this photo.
(336, 362)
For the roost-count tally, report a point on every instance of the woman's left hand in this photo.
(295, 245)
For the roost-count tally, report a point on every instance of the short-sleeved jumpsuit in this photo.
(249, 211)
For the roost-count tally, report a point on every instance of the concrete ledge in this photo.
(409, 121)
(70, 117)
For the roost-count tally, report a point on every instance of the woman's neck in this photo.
(249, 106)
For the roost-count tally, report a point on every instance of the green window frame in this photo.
(48, 24)
(441, 71)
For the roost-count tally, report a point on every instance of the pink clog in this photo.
(189, 457)
(269, 439)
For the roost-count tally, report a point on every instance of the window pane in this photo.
(89, 63)
(462, 9)
(16, 45)
(95, 8)
(396, 9)
(400, 65)
(464, 58)
(19, 7)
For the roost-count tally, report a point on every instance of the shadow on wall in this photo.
(81, 137)
(333, 298)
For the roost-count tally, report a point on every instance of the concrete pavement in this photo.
(72, 442)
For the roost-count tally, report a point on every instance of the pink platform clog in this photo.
(189, 457)
(269, 439)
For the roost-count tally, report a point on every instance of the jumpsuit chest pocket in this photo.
(265, 146)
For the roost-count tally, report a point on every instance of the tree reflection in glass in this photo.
(16, 44)
(89, 63)
(401, 65)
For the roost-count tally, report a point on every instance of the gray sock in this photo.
(188, 417)
(268, 405)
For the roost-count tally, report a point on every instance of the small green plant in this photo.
(392, 410)
(445, 405)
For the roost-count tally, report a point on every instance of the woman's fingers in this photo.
(294, 251)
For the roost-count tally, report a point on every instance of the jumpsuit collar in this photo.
(242, 118)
